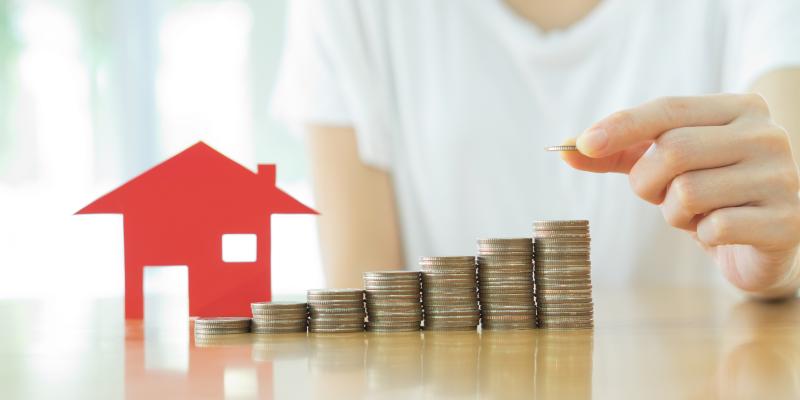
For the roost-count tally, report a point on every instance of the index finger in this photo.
(648, 121)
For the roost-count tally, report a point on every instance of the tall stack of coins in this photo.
(221, 326)
(336, 310)
(505, 283)
(563, 274)
(449, 293)
(393, 301)
(279, 317)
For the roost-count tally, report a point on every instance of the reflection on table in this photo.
(665, 343)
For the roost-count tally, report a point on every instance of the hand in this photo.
(720, 169)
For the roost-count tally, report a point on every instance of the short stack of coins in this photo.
(505, 283)
(336, 310)
(279, 317)
(449, 293)
(393, 301)
(221, 326)
(563, 274)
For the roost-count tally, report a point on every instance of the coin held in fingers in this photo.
(562, 148)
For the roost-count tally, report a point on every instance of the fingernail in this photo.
(592, 141)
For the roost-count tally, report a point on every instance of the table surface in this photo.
(647, 343)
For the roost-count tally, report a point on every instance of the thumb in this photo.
(621, 161)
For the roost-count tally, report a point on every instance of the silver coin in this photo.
(563, 222)
(222, 321)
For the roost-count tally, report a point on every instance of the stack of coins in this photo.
(393, 301)
(505, 283)
(449, 293)
(336, 310)
(279, 317)
(563, 279)
(221, 326)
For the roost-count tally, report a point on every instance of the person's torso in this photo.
(477, 93)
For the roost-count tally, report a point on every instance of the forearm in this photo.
(358, 225)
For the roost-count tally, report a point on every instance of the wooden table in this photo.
(648, 343)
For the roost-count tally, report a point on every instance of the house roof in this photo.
(199, 173)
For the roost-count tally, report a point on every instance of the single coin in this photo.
(334, 307)
(512, 254)
(545, 320)
(453, 321)
(566, 326)
(566, 274)
(449, 292)
(336, 330)
(563, 251)
(504, 249)
(550, 285)
(507, 241)
(220, 331)
(278, 305)
(447, 260)
(440, 304)
(565, 246)
(398, 290)
(278, 331)
(334, 291)
(563, 222)
(393, 306)
(402, 298)
(334, 324)
(222, 321)
(280, 315)
(446, 309)
(257, 321)
(507, 289)
(433, 317)
(562, 284)
(563, 291)
(393, 324)
(454, 288)
(393, 329)
(433, 277)
(348, 325)
(336, 310)
(390, 275)
(437, 327)
(542, 264)
(281, 326)
(336, 296)
(567, 314)
(541, 302)
(378, 313)
(507, 327)
(555, 311)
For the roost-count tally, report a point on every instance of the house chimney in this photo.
(267, 172)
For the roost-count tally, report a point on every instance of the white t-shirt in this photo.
(458, 98)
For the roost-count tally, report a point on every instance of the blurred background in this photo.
(94, 92)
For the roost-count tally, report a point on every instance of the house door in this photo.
(166, 317)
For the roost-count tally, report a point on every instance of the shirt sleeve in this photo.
(328, 74)
(762, 36)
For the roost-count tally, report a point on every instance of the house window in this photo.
(239, 247)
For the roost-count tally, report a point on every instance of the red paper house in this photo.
(177, 212)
